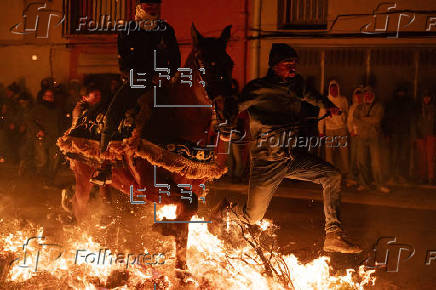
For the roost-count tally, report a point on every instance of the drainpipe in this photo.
(246, 24)
(368, 65)
(416, 76)
(255, 45)
(321, 89)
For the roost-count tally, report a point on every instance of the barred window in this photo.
(303, 14)
(96, 16)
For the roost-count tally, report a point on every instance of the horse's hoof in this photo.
(185, 277)
(165, 229)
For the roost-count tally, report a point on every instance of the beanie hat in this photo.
(280, 52)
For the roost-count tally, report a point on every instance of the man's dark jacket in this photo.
(273, 104)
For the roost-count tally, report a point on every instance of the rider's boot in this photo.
(103, 175)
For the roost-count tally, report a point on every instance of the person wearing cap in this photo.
(368, 117)
(136, 48)
(274, 102)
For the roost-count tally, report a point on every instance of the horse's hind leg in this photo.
(83, 188)
(181, 239)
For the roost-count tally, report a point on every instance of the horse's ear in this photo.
(225, 35)
(196, 36)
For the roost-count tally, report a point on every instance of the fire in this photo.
(212, 263)
(209, 257)
(167, 211)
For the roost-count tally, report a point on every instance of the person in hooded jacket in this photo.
(335, 126)
(357, 99)
(368, 118)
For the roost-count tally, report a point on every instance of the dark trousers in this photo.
(266, 176)
(400, 155)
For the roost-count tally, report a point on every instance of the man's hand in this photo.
(334, 111)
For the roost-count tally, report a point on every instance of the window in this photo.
(303, 14)
(96, 16)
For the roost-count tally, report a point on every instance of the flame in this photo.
(210, 261)
(206, 256)
(167, 211)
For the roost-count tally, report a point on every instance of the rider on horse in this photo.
(136, 48)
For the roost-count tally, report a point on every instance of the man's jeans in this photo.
(369, 147)
(266, 176)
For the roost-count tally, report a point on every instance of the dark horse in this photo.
(159, 131)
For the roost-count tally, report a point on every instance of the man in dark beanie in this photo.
(276, 104)
(136, 48)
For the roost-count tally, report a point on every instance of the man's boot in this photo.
(103, 175)
(338, 242)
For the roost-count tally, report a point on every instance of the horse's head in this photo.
(209, 54)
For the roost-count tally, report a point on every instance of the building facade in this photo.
(355, 42)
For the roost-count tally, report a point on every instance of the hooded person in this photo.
(276, 103)
(368, 117)
(335, 126)
(357, 99)
(136, 47)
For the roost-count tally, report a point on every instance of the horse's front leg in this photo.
(83, 188)
(185, 210)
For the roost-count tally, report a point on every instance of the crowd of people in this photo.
(30, 126)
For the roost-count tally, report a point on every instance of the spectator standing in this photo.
(357, 99)
(336, 126)
(8, 128)
(398, 129)
(47, 122)
(368, 117)
(426, 138)
(24, 124)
